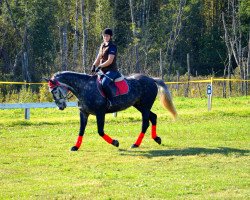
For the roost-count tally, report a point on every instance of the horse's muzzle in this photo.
(61, 106)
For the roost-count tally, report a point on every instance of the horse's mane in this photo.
(69, 72)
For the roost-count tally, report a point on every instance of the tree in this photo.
(42, 37)
(76, 36)
(233, 37)
(135, 39)
(174, 34)
(84, 39)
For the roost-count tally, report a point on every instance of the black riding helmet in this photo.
(107, 31)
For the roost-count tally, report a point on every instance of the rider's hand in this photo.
(93, 68)
(97, 69)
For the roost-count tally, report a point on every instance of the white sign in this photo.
(209, 89)
(209, 95)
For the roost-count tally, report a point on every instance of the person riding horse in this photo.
(141, 94)
(106, 62)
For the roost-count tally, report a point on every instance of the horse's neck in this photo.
(74, 80)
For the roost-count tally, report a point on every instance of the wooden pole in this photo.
(178, 80)
(188, 71)
(161, 69)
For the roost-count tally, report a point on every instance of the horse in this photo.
(141, 94)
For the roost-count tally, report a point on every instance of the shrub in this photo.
(26, 95)
(44, 94)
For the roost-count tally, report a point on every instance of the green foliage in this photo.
(103, 16)
(43, 34)
(245, 16)
(1, 97)
(27, 95)
(44, 94)
(11, 97)
(41, 21)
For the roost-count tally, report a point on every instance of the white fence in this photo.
(28, 106)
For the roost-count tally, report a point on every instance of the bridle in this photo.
(60, 91)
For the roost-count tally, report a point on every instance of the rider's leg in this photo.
(107, 84)
(106, 81)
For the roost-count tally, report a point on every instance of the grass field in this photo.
(204, 155)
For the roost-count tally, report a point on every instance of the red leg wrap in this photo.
(79, 141)
(139, 140)
(107, 139)
(153, 132)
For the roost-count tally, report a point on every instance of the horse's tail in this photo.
(165, 97)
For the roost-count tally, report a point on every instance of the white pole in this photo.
(210, 94)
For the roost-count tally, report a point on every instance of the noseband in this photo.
(62, 88)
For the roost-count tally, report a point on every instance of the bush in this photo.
(26, 95)
(11, 97)
(44, 94)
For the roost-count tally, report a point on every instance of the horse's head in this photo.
(59, 92)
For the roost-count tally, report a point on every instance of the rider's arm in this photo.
(108, 62)
(97, 60)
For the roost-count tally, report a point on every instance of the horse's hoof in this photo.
(74, 148)
(115, 143)
(134, 146)
(158, 140)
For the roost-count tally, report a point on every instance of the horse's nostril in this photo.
(61, 108)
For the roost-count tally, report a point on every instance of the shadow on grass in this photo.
(186, 152)
(30, 123)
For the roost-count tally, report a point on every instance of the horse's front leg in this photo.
(83, 123)
(100, 117)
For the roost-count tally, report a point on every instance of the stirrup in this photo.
(109, 103)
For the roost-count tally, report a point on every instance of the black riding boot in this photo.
(110, 96)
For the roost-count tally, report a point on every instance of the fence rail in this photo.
(28, 106)
(172, 82)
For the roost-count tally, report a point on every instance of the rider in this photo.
(106, 62)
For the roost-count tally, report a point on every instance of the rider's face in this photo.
(106, 37)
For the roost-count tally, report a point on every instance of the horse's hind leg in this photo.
(153, 120)
(83, 123)
(100, 125)
(145, 125)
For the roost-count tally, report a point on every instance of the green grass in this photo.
(204, 155)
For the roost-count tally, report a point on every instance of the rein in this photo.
(69, 96)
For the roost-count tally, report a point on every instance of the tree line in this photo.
(40, 37)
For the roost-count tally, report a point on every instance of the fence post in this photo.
(178, 80)
(188, 68)
(210, 94)
(27, 113)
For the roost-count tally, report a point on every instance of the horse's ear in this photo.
(46, 79)
(54, 82)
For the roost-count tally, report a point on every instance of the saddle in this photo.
(118, 87)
